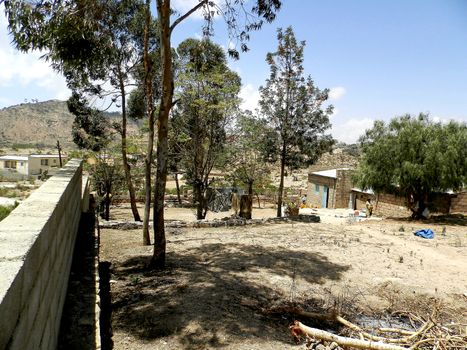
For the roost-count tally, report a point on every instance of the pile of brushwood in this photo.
(429, 332)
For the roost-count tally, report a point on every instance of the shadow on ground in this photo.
(448, 219)
(214, 294)
(78, 329)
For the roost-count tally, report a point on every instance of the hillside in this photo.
(38, 124)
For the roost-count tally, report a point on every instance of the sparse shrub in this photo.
(402, 228)
(401, 259)
(5, 210)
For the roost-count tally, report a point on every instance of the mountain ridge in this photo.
(38, 124)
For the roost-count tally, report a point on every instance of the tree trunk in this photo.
(245, 206)
(163, 14)
(281, 184)
(178, 188)
(126, 166)
(199, 200)
(150, 111)
(59, 153)
(107, 206)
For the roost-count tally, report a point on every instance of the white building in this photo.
(32, 165)
(17, 164)
(39, 163)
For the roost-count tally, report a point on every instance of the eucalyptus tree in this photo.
(90, 129)
(94, 44)
(240, 22)
(207, 98)
(293, 107)
(74, 23)
(246, 162)
(413, 157)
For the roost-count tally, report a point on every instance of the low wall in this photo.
(36, 250)
(389, 205)
(459, 203)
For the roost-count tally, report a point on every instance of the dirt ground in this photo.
(222, 285)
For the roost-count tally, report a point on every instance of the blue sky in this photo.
(379, 58)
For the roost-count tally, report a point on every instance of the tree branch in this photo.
(181, 18)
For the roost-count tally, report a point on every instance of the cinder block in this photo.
(10, 298)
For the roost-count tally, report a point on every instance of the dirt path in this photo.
(221, 283)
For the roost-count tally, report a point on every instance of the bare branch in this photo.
(187, 14)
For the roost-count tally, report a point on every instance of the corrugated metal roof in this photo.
(45, 156)
(329, 173)
(368, 191)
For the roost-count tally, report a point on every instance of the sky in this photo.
(380, 59)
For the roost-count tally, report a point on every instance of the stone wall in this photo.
(389, 205)
(36, 250)
(459, 203)
(343, 188)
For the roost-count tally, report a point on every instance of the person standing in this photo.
(369, 207)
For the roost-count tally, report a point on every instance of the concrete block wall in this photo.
(36, 250)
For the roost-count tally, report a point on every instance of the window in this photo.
(317, 188)
(22, 163)
(55, 161)
(44, 162)
(10, 164)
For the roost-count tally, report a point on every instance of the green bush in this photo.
(5, 210)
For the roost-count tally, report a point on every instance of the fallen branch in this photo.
(298, 329)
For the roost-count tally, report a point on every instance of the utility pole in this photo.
(59, 153)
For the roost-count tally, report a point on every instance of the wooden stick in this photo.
(395, 330)
(300, 329)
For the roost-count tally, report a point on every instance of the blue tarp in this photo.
(425, 233)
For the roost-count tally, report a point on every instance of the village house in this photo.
(333, 188)
(34, 165)
(329, 188)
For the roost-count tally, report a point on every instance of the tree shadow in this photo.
(213, 293)
(440, 219)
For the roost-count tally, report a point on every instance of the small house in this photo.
(329, 188)
(14, 164)
(33, 165)
(40, 163)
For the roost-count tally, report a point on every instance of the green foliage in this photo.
(5, 210)
(108, 178)
(293, 107)
(90, 126)
(413, 156)
(245, 159)
(7, 192)
(207, 92)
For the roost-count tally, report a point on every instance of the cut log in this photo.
(298, 329)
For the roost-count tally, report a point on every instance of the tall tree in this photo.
(34, 24)
(90, 129)
(91, 43)
(293, 106)
(207, 99)
(233, 12)
(413, 157)
(246, 163)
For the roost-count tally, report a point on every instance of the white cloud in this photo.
(351, 129)
(21, 73)
(446, 119)
(337, 92)
(250, 97)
